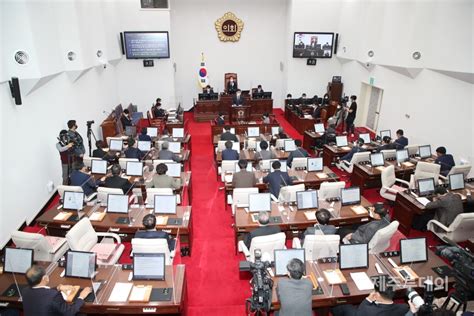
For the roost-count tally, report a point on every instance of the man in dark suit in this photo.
(227, 135)
(40, 300)
(125, 119)
(149, 222)
(243, 178)
(447, 206)
(386, 144)
(355, 149)
(263, 230)
(208, 89)
(364, 233)
(401, 140)
(231, 86)
(277, 179)
(158, 112)
(144, 136)
(132, 151)
(80, 177)
(228, 153)
(116, 181)
(298, 153)
(322, 226)
(445, 160)
(166, 154)
(220, 120)
(259, 89)
(237, 99)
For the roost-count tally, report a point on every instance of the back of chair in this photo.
(82, 236)
(251, 144)
(330, 189)
(63, 188)
(88, 161)
(464, 169)
(280, 143)
(412, 149)
(388, 176)
(299, 162)
(34, 241)
(267, 244)
(462, 228)
(323, 115)
(427, 170)
(321, 246)
(115, 138)
(360, 156)
(265, 164)
(102, 194)
(227, 77)
(240, 196)
(221, 145)
(151, 192)
(288, 193)
(123, 162)
(381, 240)
(156, 162)
(389, 153)
(152, 245)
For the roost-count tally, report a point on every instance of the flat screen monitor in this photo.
(175, 147)
(98, 166)
(307, 199)
(144, 145)
(174, 169)
(134, 168)
(253, 131)
(341, 141)
(267, 95)
(146, 45)
(283, 166)
(258, 145)
(365, 137)
(117, 203)
(236, 146)
(231, 130)
(319, 128)
(313, 44)
(350, 196)
(426, 186)
(152, 131)
(275, 130)
(376, 160)
(413, 250)
(315, 164)
(148, 266)
(424, 151)
(165, 204)
(18, 260)
(290, 145)
(178, 132)
(456, 181)
(73, 200)
(116, 144)
(259, 202)
(353, 256)
(283, 257)
(402, 155)
(80, 264)
(385, 132)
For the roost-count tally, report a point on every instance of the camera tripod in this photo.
(89, 139)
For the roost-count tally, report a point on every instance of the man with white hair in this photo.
(263, 230)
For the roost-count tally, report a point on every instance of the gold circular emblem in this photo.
(240, 113)
(229, 27)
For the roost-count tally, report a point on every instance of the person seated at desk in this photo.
(317, 111)
(125, 119)
(166, 154)
(303, 97)
(259, 89)
(162, 180)
(401, 140)
(263, 230)
(322, 226)
(281, 135)
(264, 153)
(227, 135)
(144, 135)
(99, 152)
(116, 181)
(158, 112)
(295, 292)
(355, 149)
(244, 178)
(386, 144)
(379, 302)
(266, 118)
(80, 177)
(220, 120)
(277, 179)
(238, 99)
(231, 86)
(208, 89)
(149, 222)
(329, 135)
(298, 152)
(39, 299)
(445, 160)
(228, 153)
(165, 136)
(132, 151)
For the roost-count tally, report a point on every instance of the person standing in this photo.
(351, 115)
(64, 147)
(78, 149)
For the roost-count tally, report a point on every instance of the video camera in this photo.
(344, 100)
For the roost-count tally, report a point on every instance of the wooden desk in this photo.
(206, 110)
(332, 152)
(366, 176)
(249, 155)
(175, 278)
(309, 140)
(301, 124)
(241, 129)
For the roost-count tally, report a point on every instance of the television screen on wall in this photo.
(313, 45)
(146, 45)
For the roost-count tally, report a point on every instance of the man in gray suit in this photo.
(263, 230)
(364, 233)
(166, 154)
(447, 206)
(264, 153)
(295, 292)
(243, 178)
(162, 180)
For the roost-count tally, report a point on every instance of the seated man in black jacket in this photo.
(263, 230)
(149, 222)
(116, 181)
(386, 144)
(227, 135)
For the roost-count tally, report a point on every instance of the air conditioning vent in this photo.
(22, 57)
(154, 4)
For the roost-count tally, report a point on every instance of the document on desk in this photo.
(322, 175)
(423, 200)
(359, 209)
(62, 216)
(120, 292)
(161, 220)
(334, 276)
(310, 215)
(362, 281)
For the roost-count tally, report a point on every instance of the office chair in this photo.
(412, 149)
(151, 192)
(389, 153)
(153, 245)
(389, 188)
(46, 248)
(288, 193)
(267, 244)
(356, 158)
(381, 240)
(461, 229)
(240, 197)
(329, 190)
(103, 192)
(74, 188)
(425, 170)
(464, 169)
(280, 142)
(88, 161)
(123, 162)
(318, 246)
(299, 162)
(227, 166)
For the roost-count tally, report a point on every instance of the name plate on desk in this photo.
(174, 222)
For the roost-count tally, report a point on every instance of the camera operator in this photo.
(351, 115)
(64, 146)
(295, 292)
(78, 149)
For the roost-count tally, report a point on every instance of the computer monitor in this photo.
(116, 144)
(283, 257)
(350, 196)
(152, 131)
(148, 266)
(289, 145)
(315, 164)
(18, 260)
(413, 250)
(165, 204)
(376, 160)
(258, 145)
(341, 141)
(402, 155)
(275, 130)
(456, 181)
(236, 146)
(80, 264)
(267, 95)
(231, 130)
(253, 131)
(319, 128)
(175, 147)
(73, 200)
(353, 256)
(98, 166)
(424, 151)
(117, 203)
(177, 132)
(365, 137)
(259, 202)
(283, 167)
(384, 133)
(144, 145)
(174, 169)
(426, 186)
(134, 168)
(307, 199)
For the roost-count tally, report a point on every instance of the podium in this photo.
(240, 113)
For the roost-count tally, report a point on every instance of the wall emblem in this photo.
(229, 27)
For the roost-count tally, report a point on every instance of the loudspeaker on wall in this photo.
(336, 43)
(15, 90)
